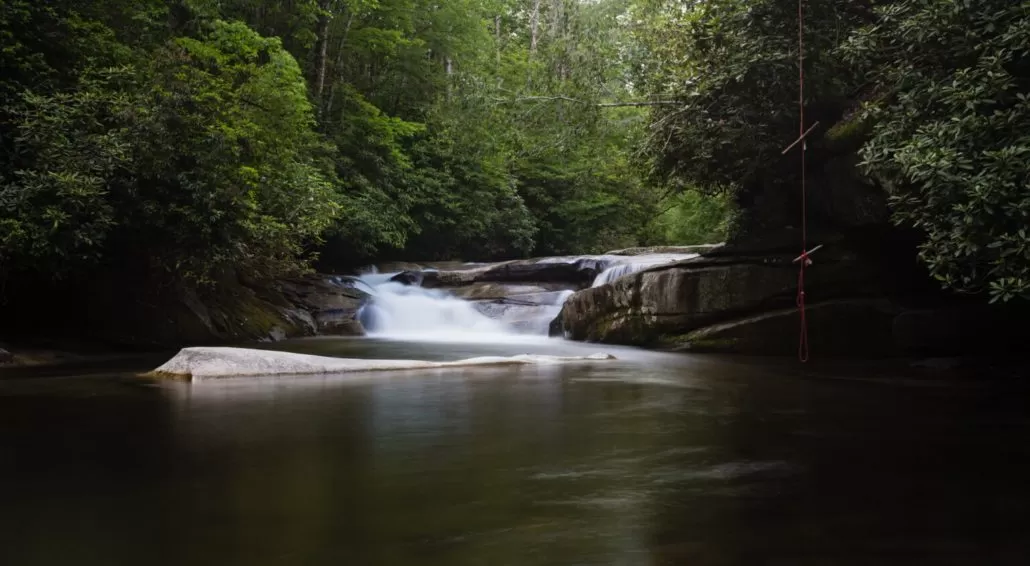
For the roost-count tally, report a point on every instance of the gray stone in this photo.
(578, 272)
(413, 278)
(206, 363)
(493, 291)
(695, 249)
(673, 300)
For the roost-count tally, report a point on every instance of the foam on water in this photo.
(413, 313)
(408, 312)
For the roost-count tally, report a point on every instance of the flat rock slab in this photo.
(206, 363)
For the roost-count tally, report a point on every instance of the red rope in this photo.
(803, 340)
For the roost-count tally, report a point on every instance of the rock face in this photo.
(647, 307)
(736, 300)
(834, 328)
(497, 291)
(575, 271)
(117, 313)
(331, 304)
(207, 363)
(408, 278)
(697, 249)
(744, 302)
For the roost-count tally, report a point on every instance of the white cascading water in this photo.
(412, 313)
(632, 264)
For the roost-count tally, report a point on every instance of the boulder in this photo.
(675, 299)
(578, 272)
(696, 249)
(6, 357)
(413, 278)
(205, 363)
(522, 317)
(844, 327)
(395, 266)
(328, 304)
(496, 291)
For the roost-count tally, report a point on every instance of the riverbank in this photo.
(705, 299)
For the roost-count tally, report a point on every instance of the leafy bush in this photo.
(693, 218)
(952, 134)
(200, 160)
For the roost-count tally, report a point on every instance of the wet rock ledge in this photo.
(740, 301)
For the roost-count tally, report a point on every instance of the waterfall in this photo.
(632, 264)
(409, 312)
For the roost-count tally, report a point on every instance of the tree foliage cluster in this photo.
(184, 137)
(935, 92)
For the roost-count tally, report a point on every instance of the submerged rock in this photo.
(205, 363)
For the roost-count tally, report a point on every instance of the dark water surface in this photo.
(652, 459)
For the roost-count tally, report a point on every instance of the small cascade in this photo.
(632, 264)
(405, 311)
(527, 314)
(493, 312)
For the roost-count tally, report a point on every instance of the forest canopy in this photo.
(191, 135)
(184, 137)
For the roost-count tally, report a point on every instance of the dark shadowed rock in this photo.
(6, 357)
(969, 329)
(675, 299)
(413, 278)
(575, 271)
(696, 249)
(331, 306)
(395, 266)
(537, 292)
(846, 327)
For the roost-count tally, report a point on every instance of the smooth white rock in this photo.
(209, 362)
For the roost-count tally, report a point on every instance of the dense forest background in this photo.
(188, 135)
(179, 138)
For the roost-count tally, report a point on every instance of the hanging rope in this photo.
(803, 339)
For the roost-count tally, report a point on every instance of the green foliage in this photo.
(189, 137)
(941, 124)
(693, 218)
(732, 66)
(203, 159)
(952, 134)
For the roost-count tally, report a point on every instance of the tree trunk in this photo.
(497, 36)
(449, 65)
(534, 21)
(321, 52)
(338, 67)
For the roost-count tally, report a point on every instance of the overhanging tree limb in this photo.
(588, 103)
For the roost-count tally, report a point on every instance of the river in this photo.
(652, 459)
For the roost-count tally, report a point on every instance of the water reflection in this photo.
(649, 460)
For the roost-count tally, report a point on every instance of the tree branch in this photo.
(587, 103)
